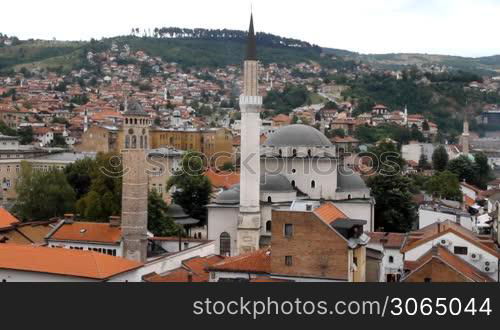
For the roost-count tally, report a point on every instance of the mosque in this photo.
(296, 168)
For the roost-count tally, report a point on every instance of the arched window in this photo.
(391, 259)
(268, 226)
(294, 152)
(313, 184)
(349, 197)
(309, 153)
(269, 199)
(293, 183)
(126, 121)
(134, 142)
(281, 153)
(127, 142)
(225, 244)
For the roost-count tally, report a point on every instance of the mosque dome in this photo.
(275, 183)
(230, 196)
(298, 136)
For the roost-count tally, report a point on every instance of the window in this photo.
(288, 261)
(294, 152)
(225, 244)
(309, 153)
(293, 183)
(428, 280)
(391, 259)
(461, 250)
(288, 230)
(313, 184)
(269, 199)
(268, 226)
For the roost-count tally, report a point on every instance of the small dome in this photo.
(229, 197)
(275, 183)
(135, 109)
(298, 136)
(176, 212)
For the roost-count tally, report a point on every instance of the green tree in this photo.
(444, 185)
(464, 169)
(104, 197)
(423, 163)
(26, 135)
(43, 195)
(79, 174)
(483, 170)
(193, 188)
(394, 208)
(386, 158)
(440, 159)
(58, 141)
(158, 222)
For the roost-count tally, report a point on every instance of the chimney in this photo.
(69, 218)
(115, 221)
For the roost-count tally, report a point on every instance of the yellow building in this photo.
(215, 144)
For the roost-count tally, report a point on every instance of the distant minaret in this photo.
(135, 183)
(466, 136)
(406, 116)
(250, 105)
(86, 121)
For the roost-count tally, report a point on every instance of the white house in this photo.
(431, 214)
(389, 244)
(477, 252)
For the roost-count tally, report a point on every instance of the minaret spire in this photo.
(251, 42)
(250, 104)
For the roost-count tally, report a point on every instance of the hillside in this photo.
(217, 48)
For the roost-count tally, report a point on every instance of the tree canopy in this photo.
(192, 188)
(394, 208)
(42, 195)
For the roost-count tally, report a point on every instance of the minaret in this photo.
(134, 220)
(406, 116)
(466, 136)
(250, 104)
(86, 121)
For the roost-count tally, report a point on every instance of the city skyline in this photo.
(433, 27)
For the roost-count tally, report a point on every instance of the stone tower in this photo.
(250, 104)
(135, 183)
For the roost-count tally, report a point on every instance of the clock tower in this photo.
(135, 182)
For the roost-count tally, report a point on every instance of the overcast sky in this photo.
(454, 27)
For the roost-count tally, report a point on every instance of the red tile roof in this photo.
(84, 264)
(452, 261)
(88, 232)
(223, 179)
(197, 267)
(328, 213)
(436, 230)
(258, 262)
(389, 240)
(7, 219)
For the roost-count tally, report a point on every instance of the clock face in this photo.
(131, 131)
